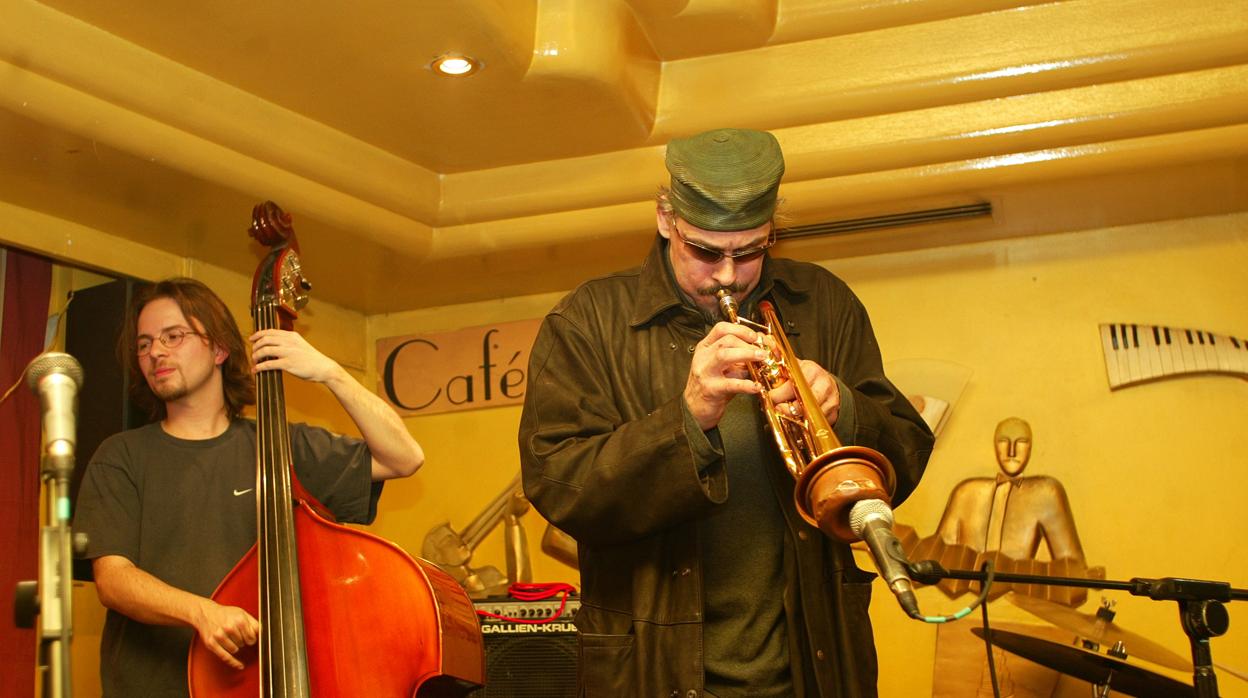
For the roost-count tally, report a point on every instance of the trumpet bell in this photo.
(834, 481)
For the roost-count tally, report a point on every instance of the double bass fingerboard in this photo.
(1137, 354)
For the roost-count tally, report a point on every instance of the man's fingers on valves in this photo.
(734, 357)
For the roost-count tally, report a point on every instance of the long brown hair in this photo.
(197, 302)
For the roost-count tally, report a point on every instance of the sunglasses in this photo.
(711, 255)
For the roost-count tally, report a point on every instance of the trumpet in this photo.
(830, 477)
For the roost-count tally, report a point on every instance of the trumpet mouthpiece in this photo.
(727, 304)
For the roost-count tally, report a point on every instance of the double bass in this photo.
(342, 612)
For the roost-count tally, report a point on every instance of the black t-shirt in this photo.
(185, 512)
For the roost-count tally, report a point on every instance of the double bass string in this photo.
(272, 589)
(282, 657)
(265, 515)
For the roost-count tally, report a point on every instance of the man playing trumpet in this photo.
(642, 437)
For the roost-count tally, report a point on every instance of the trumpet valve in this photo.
(774, 371)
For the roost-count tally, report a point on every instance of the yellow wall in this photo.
(1153, 472)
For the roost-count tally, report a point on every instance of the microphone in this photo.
(55, 377)
(872, 521)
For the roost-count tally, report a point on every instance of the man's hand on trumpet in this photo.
(720, 371)
(823, 386)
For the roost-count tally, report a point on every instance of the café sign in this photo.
(466, 369)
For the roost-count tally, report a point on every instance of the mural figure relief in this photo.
(453, 550)
(1006, 518)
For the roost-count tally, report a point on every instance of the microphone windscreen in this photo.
(867, 509)
(51, 362)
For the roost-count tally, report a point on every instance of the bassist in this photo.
(168, 507)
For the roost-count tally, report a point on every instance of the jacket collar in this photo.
(658, 293)
(656, 289)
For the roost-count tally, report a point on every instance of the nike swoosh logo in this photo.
(239, 493)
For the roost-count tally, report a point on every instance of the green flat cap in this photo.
(725, 179)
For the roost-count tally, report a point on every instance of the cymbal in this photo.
(1092, 667)
(1102, 631)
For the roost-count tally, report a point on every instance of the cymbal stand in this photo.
(1201, 605)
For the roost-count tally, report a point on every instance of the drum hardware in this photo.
(1104, 672)
(1099, 630)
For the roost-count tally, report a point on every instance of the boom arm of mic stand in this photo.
(1201, 609)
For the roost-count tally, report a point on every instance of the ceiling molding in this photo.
(162, 125)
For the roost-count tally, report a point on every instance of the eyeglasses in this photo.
(171, 338)
(712, 256)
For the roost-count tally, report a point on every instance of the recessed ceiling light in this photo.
(455, 65)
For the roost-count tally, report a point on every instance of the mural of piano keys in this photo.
(1137, 354)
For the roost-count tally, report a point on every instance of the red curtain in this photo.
(27, 284)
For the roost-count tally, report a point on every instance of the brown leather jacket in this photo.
(610, 456)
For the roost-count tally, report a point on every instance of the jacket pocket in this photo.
(606, 665)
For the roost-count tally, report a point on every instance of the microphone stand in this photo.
(52, 595)
(1201, 605)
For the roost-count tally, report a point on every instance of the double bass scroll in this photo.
(342, 612)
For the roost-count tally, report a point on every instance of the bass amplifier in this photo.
(528, 660)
